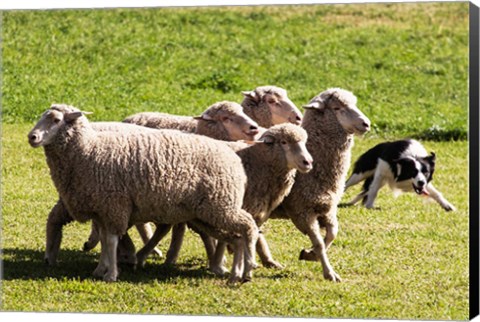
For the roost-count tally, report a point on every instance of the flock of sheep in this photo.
(222, 174)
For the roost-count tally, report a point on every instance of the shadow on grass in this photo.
(28, 264)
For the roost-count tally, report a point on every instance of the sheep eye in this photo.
(56, 120)
(284, 142)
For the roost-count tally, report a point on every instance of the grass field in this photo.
(408, 66)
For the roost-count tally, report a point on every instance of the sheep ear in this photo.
(314, 106)
(204, 117)
(70, 117)
(252, 95)
(267, 139)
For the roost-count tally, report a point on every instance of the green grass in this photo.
(407, 261)
(408, 70)
(407, 64)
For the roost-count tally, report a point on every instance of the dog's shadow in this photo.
(29, 264)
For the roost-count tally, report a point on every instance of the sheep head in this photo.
(275, 99)
(230, 114)
(51, 121)
(292, 140)
(343, 104)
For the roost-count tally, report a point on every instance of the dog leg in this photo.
(438, 197)
(377, 183)
(360, 196)
(357, 177)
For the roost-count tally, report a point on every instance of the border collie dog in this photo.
(404, 165)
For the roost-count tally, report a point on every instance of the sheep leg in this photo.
(331, 234)
(250, 238)
(319, 251)
(126, 251)
(178, 233)
(145, 232)
(102, 266)
(238, 261)
(265, 255)
(438, 197)
(160, 232)
(216, 264)
(93, 239)
(111, 241)
(57, 218)
(209, 242)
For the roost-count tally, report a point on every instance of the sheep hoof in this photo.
(332, 276)
(219, 271)
(308, 255)
(49, 262)
(110, 278)
(273, 264)
(99, 271)
(246, 280)
(157, 252)
(449, 207)
(87, 247)
(233, 280)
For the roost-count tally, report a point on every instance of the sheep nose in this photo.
(32, 137)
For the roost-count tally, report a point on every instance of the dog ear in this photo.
(431, 158)
(400, 163)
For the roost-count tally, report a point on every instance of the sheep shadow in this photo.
(29, 264)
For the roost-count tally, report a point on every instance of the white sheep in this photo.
(270, 167)
(222, 121)
(146, 176)
(59, 217)
(270, 105)
(331, 119)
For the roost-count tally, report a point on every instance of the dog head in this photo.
(417, 169)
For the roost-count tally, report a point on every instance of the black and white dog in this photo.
(404, 165)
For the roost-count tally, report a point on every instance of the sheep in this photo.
(270, 169)
(146, 176)
(222, 121)
(59, 217)
(331, 119)
(270, 105)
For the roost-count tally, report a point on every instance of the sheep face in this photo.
(237, 124)
(281, 108)
(52, 120)
(292, 141)
(343, 104)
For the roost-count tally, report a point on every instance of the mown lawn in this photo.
(407, 64)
